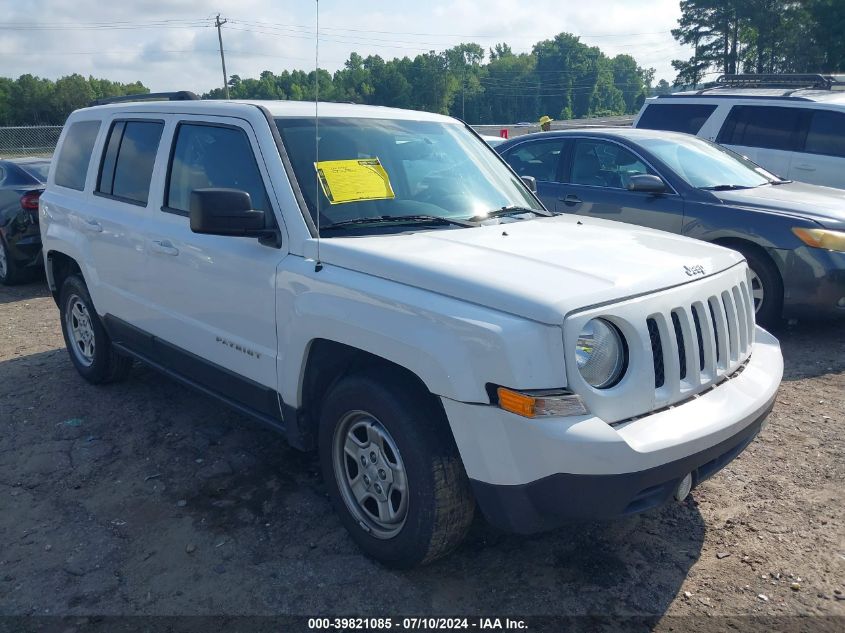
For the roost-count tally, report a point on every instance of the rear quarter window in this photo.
(676, 117)
(826, 134)
(72, 163)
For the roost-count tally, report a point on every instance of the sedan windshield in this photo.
(383, 172)
(706, 165)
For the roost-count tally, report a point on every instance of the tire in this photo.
(10, 273)
(766, 287)
(433, 505)
(90, 349)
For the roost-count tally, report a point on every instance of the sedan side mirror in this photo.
(530, 182)
(646, 183)
(216, 211)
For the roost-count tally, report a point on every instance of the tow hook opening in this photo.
(683, 489)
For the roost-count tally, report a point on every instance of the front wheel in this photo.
(392, 469)
(766, 288)
(86, 339)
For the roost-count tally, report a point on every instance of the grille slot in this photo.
(656, 352)
(699, 336)
(682, 352)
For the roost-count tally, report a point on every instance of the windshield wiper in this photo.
(726, 187)
(506, 211)
(399, 219)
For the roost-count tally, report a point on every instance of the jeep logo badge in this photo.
(692, 271)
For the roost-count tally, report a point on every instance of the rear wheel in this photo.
(392, 469)
(10, 274)
(88, 344)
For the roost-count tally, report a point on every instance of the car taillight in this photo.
(29, 201)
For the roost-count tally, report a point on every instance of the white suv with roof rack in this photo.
(387, 291)
(793, 125)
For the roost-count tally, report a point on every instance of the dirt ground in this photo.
(148, 498)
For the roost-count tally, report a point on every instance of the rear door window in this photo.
(768, 127)
(72, 163)
(212, 156)
(676, 117)
(128, 160)
(826, 133)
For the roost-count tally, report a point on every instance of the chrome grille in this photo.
(696, 345)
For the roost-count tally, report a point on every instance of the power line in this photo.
(429, 34)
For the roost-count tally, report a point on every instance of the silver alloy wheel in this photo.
(3, 265)
(80, 330)
(758, 293)
(370, 474)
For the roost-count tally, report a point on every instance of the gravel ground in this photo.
(148, 498)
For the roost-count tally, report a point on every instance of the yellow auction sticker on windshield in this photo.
(354, 180)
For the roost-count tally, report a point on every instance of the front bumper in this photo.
(813, 282)
(530, 475)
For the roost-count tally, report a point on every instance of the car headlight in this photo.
(822, 238)
(600, 353)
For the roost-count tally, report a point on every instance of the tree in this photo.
(663, 87)
(561, 77)
(760, 36)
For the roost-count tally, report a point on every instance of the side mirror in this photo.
(646, 183)
(530, 182)
(226, 212)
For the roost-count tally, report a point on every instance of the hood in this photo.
(538, 269)
(825, 205)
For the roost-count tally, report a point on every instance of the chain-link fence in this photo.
(41, 140)
(37, 140)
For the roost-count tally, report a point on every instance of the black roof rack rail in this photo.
(181, 95)
(817, 81)
(731, 96)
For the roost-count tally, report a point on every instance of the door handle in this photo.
(805, 167)
(92, 226)
(571, 199)
(163, 247)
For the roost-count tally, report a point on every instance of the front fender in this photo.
(712, 222)
(454, 347)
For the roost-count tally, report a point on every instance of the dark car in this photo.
(792, 234)
(21, 182)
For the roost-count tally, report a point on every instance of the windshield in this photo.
(428, 169)
(706, 165)
(37, 170)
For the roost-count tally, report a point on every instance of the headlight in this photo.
(822, 238)
(600, 353)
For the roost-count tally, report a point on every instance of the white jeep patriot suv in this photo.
(382, 287)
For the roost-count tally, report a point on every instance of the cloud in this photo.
(172, 45)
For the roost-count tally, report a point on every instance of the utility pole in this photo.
(218, 23)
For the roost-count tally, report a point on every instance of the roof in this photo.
(801, 94)
(276, 109)
(602, 132)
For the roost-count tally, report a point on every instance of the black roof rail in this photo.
(817, 81)
(696, 95)
(181, 95)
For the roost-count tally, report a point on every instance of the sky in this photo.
(172, 44)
